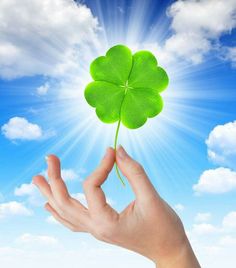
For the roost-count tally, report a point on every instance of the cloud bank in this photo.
(14, 208)
(221, 144)
(221, 148)
(46, 39)
(19, 128)
(196, 31)
(216, 181)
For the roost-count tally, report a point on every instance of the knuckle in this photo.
(61, 202)
(62, 212)
(104, 170)
(53, 176)
(105, 232)
(87, 183)
(137, 169)
(101, 172)
(102, 233)
(62, 206)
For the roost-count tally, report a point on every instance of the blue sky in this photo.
(188, 151)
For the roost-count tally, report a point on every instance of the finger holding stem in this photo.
(115, 146)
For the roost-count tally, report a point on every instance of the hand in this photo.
(147, 225)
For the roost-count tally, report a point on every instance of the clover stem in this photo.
(115, 145)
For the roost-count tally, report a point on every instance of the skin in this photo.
(148, 225)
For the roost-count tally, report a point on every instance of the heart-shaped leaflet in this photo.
(126, 88)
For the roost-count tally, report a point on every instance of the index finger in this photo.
(58, 186)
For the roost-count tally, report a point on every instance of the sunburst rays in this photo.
(159, 142)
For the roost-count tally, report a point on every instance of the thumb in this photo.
(136, 175)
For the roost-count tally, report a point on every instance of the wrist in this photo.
(183, 257)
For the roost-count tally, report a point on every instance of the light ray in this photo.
(79, 131)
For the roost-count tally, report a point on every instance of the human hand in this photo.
(147, 225)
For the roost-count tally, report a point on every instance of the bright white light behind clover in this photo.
(71, 112)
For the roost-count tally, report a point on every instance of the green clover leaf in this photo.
(126, 87)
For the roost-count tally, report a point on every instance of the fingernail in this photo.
(121, 152)
(46, 158)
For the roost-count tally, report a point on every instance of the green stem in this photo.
(115, 145)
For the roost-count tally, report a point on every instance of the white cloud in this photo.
(230, 55)
(66, 174)
(221, 144)
(202, 217)
(90, 254)
(197, 16)
(205, 229)
(226, 228)
(69, 175)
(36, 240)
(14, 208)
(215, 244)
(229, 221)
(31, 192)
(51, 220)
(43, 90)
(195, 33)
(46, 39)
(228, 241)
(179, 207)
(212, 246)
(214, 181)
(213, 254)
(25, 189)
(19, 128)
(189, 46)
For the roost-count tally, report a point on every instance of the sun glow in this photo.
(75, 121)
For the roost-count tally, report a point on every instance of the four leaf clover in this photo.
(126, 87)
